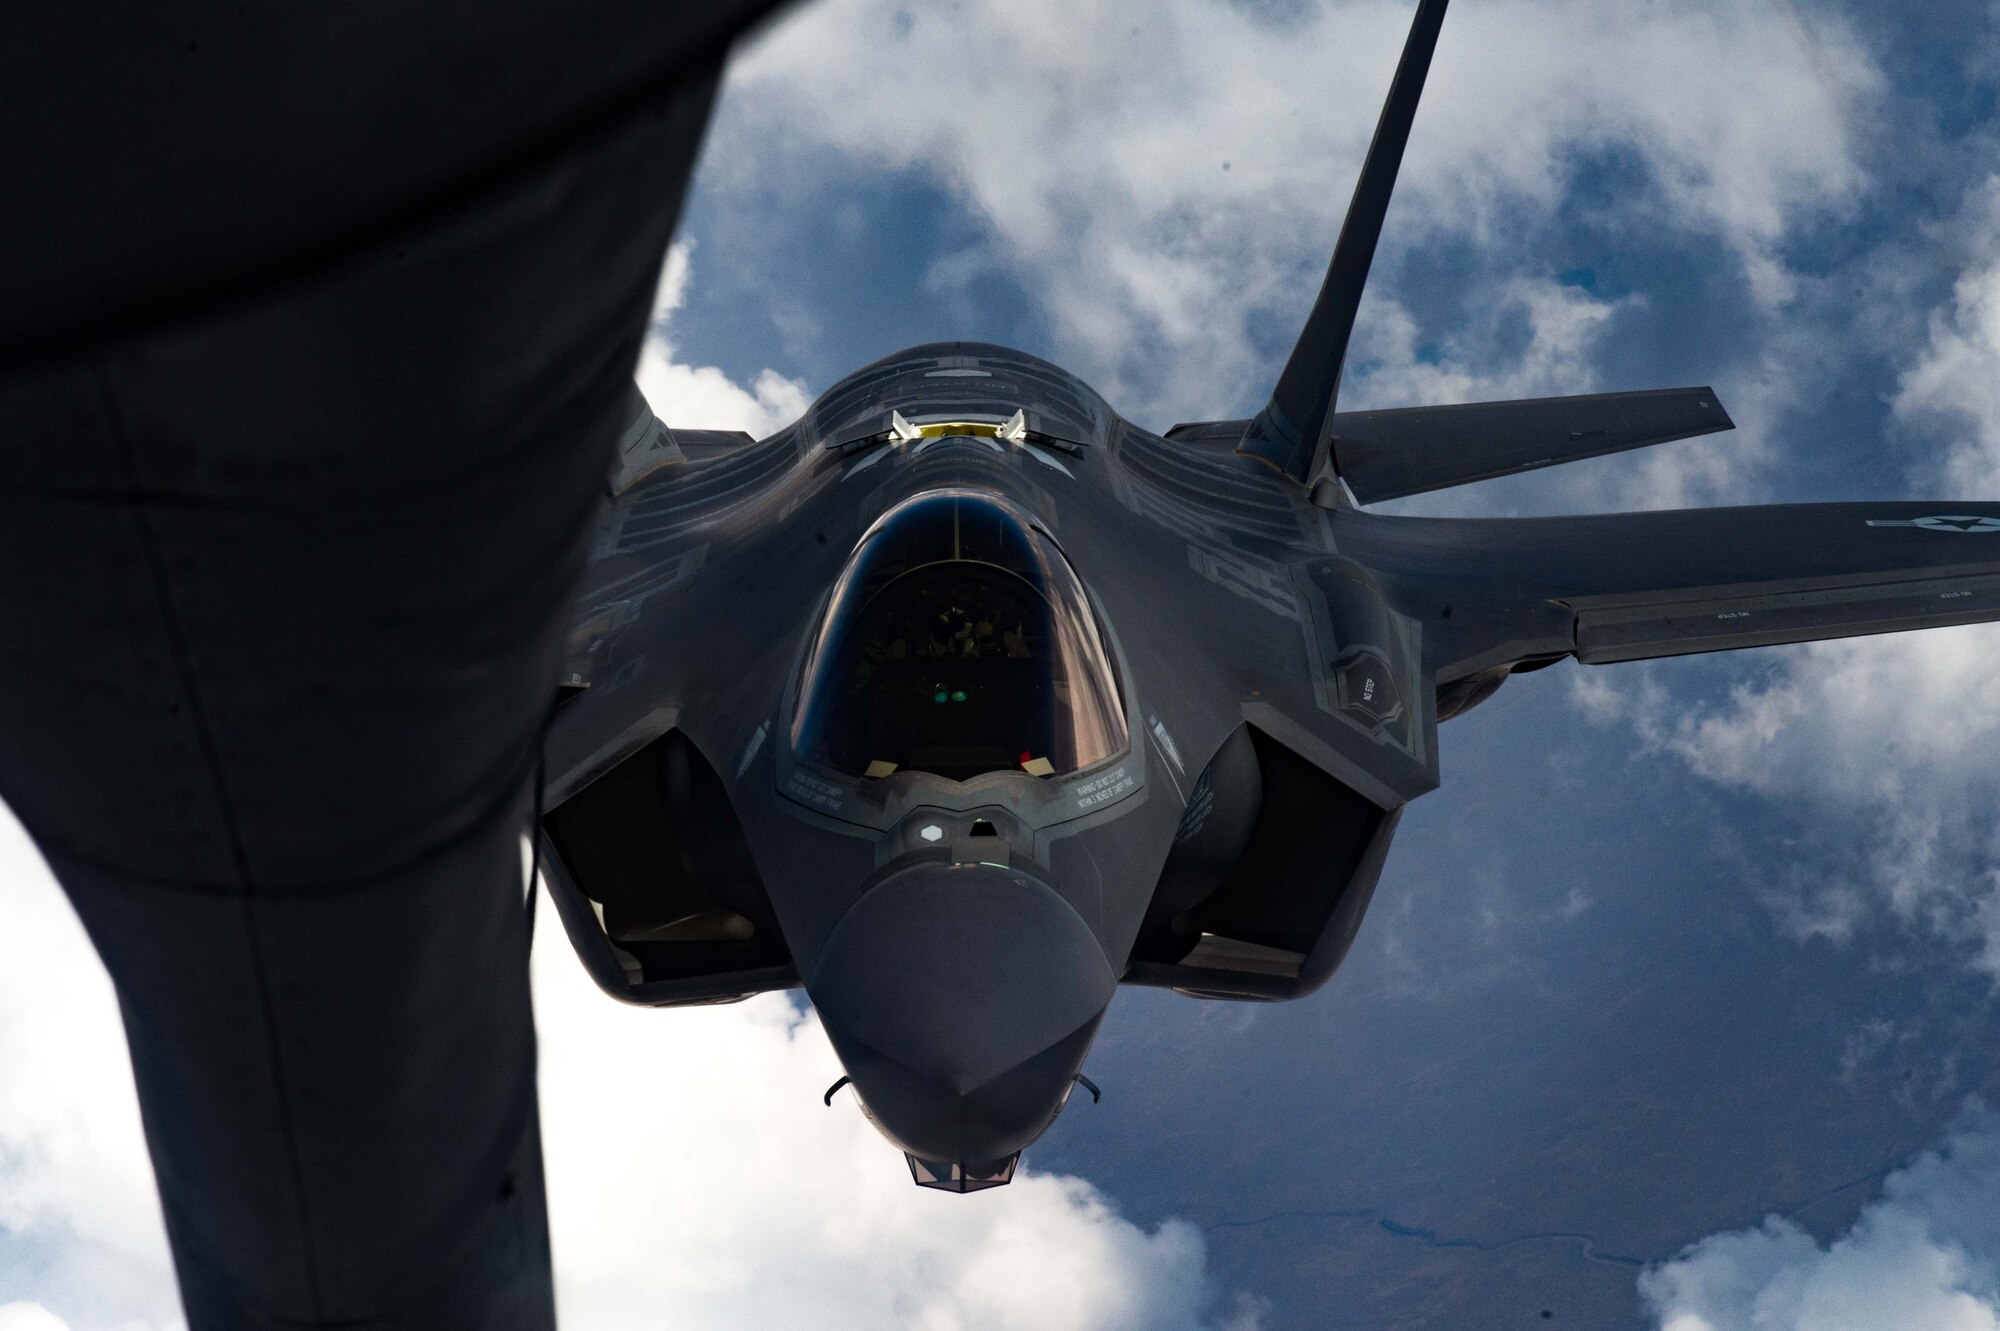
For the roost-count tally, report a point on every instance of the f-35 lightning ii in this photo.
(963, 700)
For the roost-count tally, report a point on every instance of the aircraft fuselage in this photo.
(1122, 641)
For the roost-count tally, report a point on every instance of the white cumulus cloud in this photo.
(1167, 183)
(1890, 741)
(1952, 391)
(80, 1226)
(29, 1317)
(1562, 320)
(702, 397)
(1925, 1256)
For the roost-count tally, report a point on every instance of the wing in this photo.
(1645, 585)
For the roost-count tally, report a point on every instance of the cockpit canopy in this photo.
(958, 641)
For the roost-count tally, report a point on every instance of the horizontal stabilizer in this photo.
(1411, 450)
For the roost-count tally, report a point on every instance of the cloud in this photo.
(1925, 1254)
(1885, 721)
(1890, 739)
(80, 1225)
(1952, 391)
(1889, 742)
(29, 1317)
(1168, 188)
(703, 397)
(1561, 322)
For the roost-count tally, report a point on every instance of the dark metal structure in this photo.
(963, 700)
(316, 330)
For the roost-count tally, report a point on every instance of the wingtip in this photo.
(1722, 417)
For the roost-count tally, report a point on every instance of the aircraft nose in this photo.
(961, 999)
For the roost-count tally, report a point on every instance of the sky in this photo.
(1676, 1007)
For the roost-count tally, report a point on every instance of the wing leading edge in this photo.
(1671, 583)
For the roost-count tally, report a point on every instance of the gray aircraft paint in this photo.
(1436, 612)
(1289, 652)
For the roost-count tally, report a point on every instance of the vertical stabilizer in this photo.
(1291, 431)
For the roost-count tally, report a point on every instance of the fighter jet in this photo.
(963, 700)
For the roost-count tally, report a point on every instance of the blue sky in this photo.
(1677, 948)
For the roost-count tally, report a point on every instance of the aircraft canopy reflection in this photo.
(958, 642)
